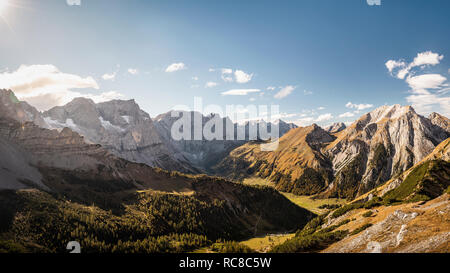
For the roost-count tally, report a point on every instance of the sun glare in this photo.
(3, 5)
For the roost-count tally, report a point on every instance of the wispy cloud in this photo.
(284, 92)
(324, 117)
(133, 71)
(240, 92)
(358, 106)
(175, 67)
(73, 2)
(347, 115)
(210, 84)
(420, 84)
(109, 77)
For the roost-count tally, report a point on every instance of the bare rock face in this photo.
(119, 126)
(381, 144)
(336, 127)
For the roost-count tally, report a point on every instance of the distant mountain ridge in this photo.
(206, 153)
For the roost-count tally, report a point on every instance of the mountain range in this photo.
(346, 164)
(112, 161)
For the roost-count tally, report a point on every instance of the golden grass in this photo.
(264, 244)
(257, 181)
(311, 204)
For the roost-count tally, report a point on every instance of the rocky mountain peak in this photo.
(440, 120)
(317, 135)
(336, 127)
(390, 112)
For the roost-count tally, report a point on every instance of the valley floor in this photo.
(307, 202)
(266, 242)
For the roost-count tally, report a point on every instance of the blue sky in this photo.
(322, 54)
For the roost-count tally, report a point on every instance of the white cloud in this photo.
(252, 99)
(391, 64)
(242, 77)
(427, 103)
(321, 108)
(429, 92)
(240, 92)
(226, 74)
(109, 77)
(210, 84)
(307, 92)
(420, 84)
(403, 72)
(284, 92)
(427, 58)
(133, 71)
(358, 106)
(28, 79)
(272, 88)
(195, 78)
(105, 96)
(175, 67)
(347, 115)
(44, 86)
(324, 117)
(422, 59)
(73, 2)
(212, 70)
(304, 121)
